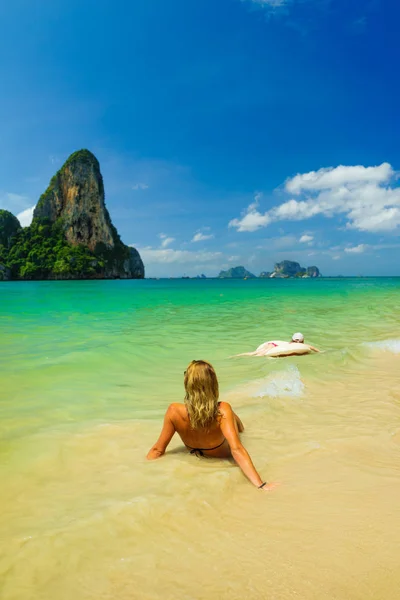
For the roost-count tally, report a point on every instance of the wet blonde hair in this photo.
(202, 393)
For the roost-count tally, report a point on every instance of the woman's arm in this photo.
(239, 423)
(166, 435)
(314, 349)
(239, 452)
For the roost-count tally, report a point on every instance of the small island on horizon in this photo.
(282, 270)
(286, 269)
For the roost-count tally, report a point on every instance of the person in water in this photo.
(297, 338)
(206, 426)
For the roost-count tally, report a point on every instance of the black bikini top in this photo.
(199, 451)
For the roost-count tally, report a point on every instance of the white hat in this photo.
(298, 337)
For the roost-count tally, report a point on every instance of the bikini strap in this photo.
(201, 450)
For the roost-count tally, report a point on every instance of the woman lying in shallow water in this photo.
(207, 427)
(280, 348)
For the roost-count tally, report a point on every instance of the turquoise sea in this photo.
(87, 371)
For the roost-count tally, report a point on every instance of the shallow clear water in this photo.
(87, 370)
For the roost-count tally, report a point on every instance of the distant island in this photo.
(282, 270)
(236, 273)
(71, 235)
(288, 268)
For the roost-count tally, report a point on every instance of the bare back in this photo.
(220, 440)
(205, 438)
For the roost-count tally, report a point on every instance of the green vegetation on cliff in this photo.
(9, 226)
(41, 252)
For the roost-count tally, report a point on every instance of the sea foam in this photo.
(392, 345)
(285, 383)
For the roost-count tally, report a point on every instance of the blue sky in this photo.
(228, 131)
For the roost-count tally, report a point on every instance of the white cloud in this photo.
(166, 241)
(306, 238)
(201, 237)
(168, 256)
(376, 218)
(356, 249)
(140, 186)
(365, 195)
(25, 217)
(233, 258)
(331, 178)
(251, 219)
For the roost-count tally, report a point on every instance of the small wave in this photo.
(282, 384)
(392, 345)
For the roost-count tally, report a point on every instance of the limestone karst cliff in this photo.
(71, 235)
(289, 268)
(76, 194)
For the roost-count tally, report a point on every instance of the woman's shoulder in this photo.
(225, 408)
(176, 408)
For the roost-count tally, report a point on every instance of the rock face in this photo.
(265, 275)
(135, 266)
(287, 268)
(313, 272)
(236, 273)
(75, 199)
(71, 235)
(76, 194)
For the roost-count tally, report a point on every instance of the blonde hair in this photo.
(202, 393)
